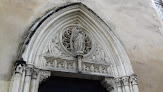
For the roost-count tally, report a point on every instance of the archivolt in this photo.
(79, 13)
(56, 20)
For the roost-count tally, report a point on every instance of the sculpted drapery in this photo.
(77, 40)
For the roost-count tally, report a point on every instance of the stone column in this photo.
(118, 84)
(125, 81)
(133, 80)
(17, 78)
(29, 71)
(22, 81)
(34, 80)
(79, 58)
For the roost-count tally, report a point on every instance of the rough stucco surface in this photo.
(135, 23)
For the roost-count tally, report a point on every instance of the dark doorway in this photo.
(65, 84)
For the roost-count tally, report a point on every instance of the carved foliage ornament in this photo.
(44, 75)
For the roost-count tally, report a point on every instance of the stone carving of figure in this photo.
(77, 40)
(99, 55)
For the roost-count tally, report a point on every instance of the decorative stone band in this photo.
(126, 80)
(121, 84)
(30, 70)
(65, 65)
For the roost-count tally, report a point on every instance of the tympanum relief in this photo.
(74, 50)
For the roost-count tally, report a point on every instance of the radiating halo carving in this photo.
(76, 40)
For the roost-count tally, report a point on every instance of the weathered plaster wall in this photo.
(135, 22)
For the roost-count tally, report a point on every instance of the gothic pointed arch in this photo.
(74, 39)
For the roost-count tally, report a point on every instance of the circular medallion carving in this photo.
(76, 40)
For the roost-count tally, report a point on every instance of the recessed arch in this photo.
(43, 51)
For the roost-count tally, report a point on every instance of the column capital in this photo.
(118, 82)
(35, 73)
(125, 80)
(133, 79)
(29, 69)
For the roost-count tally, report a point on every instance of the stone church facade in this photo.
(117, 43)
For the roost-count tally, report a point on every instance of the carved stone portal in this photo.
(72, 39)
